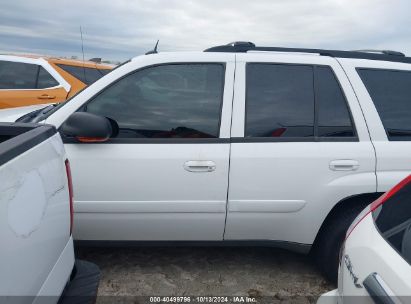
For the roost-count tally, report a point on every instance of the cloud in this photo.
(124, 28)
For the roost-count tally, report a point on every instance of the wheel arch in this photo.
(362, 200)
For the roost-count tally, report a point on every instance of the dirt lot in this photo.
(201, 271)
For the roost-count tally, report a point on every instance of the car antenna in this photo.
(82, 51)
(153, 51)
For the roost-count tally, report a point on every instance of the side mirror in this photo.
(88, 127)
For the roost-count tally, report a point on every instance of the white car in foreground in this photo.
(375, 260)
(37, 263)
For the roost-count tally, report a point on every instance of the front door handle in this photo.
(46, 96)
(199, 166)
(344, 165)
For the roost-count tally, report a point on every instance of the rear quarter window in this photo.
(390, 91)
(85, 75)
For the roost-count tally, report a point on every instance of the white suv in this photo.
(240, 143)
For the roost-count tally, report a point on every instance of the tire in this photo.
(83, 285)
(327, 246)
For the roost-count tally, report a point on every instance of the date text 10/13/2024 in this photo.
(203, 299)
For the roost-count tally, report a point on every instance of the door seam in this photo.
(229, 149)
(366, 123)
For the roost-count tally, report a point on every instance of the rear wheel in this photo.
(327, 246)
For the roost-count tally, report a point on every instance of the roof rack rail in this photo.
(244, 47)
(385, 52)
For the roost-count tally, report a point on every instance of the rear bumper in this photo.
(83, 284)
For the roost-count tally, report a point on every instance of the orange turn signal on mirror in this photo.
(92, 139)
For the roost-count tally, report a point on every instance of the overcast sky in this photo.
(120, 29)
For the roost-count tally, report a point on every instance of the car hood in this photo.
(12, 114)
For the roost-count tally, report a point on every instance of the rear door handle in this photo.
(46, 96)
(199, 166)
(344, 165)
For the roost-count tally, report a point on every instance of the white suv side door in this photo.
(151, 184)
(281, 186)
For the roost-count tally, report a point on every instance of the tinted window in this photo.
(169, 101)
(282, 99)
(45, 80)
(279, 101)
(391, 92)
(85, 75)
(17, 75)
(334, 120)
(92, 75)
(393, 219)
(104, 71)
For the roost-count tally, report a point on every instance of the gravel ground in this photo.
(203, 271)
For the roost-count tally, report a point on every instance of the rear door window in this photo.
(390, 91)
(295, 101)
(17, 75)
(334, 118)
(279, 101)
